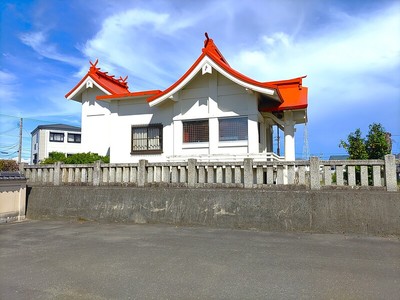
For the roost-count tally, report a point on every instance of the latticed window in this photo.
(195, 131)
(147, 139)
(233, 129)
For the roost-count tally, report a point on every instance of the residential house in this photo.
(56, 137)
(212, 112)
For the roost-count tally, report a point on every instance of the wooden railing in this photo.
(313, 173)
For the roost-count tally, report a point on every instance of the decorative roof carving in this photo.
(94, 70)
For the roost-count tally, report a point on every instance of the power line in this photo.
(37, 120)
(8, 147)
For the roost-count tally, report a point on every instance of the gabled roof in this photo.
(272, 96)
(107, 83)
(281, 95)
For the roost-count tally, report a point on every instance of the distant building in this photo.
(56, 137)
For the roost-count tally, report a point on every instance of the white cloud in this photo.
(39, 43)
(8, 86)
(123, 44)
(334, 59)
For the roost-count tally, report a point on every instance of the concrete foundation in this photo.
(324, 211)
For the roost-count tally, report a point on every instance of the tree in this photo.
(375, 146)
(8, 165)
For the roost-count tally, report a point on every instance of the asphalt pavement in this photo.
(88, 260)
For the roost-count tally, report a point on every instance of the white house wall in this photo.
(127, 113)
(44, 146)
(95, 123)
(212, 96)
(106, 126)
(64, 147)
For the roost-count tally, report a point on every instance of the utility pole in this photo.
(20, 141)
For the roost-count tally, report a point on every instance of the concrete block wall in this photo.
(321, 211)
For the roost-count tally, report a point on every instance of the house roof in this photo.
(107, 83)
(281, 95)
(61, 127)
(273, 95)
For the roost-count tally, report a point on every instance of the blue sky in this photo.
(350, 51)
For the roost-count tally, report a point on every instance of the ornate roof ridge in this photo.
(96, 70)
(211, 48)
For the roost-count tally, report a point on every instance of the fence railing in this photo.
(314, 173)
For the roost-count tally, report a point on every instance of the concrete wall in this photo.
(340, 211)
(12, 200)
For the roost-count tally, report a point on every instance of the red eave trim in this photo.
(126, 95)
(298, 80)
(76, 86)
(215, 55)
(179, 80)
(94, 79)
(282, 108)
(239, 75)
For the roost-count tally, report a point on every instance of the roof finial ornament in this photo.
(93, 67)
(207, 39)
(95, 63)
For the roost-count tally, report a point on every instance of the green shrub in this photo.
(54, 157)
(78, 158)
(8, 165)
(86, 158)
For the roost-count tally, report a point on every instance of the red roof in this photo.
(112, 85)
(291, 92)
(134, 94)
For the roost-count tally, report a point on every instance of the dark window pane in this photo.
(56, 137)
(233, 129)
(74, 138)
(195, 131)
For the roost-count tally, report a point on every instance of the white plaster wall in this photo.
(125, 114)
(95, 123)
(106, 126)
(212, 96)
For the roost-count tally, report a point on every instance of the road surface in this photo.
(88, 260)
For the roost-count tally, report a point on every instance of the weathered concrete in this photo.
(350, 211)
(87, 260)
(12, 198)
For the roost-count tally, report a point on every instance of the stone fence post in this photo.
(248, 173)
(57, 173)
(390, 173)
(96, 173)
(141, 176)
(21, 168)
(191, 172)
(315, 183)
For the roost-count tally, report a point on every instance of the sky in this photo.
(349, 50)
